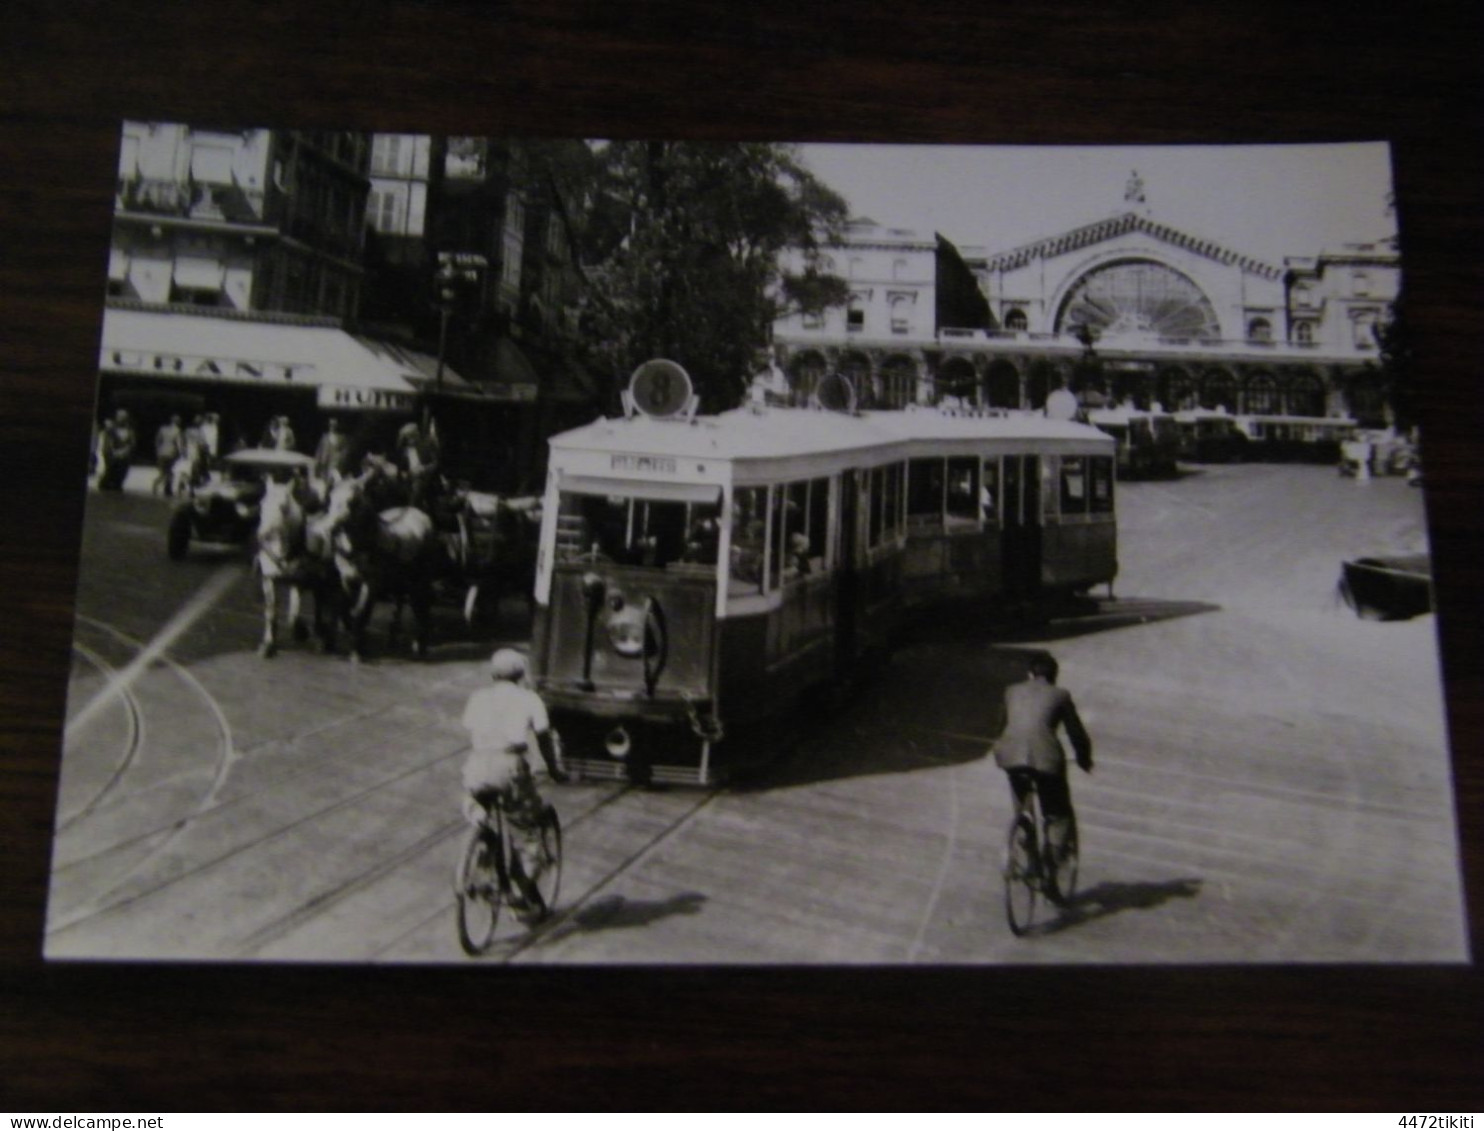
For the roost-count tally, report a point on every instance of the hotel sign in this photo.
(153, 363)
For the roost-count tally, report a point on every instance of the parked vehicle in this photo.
(224, 510)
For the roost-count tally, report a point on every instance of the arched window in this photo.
(956, 378)
(1002, 386)
(804, 374)
(901, 314)
(1305, 395)
(1175, 389)
(1260, 330)
(1263, 397)
(1041, 380)
(856, 367)
(1218, 390)
(1303, 333)
(898, 382)
(1016, 320)
(855, 315)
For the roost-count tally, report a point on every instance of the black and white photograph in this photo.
(541, 551)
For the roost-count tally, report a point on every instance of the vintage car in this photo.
(224, 510)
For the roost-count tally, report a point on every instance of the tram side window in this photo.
(962, 503)
(1073, 485)
(886, 503)
(818, 526)
(1100, 470)
(896, 489)
(647, 532)
(989, 491)
(800, 523)
(925, 493)
(749, 534)
(878, 491)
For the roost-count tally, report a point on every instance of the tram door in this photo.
(1020, 545)
(847, 580)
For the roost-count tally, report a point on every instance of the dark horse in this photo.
(384, 550)
(494, 548)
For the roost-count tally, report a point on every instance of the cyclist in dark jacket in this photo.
(1030, 752)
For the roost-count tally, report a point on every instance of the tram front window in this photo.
(637, 531)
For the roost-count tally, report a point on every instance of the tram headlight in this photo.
(618, 743)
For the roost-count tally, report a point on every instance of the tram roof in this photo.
(781, 433)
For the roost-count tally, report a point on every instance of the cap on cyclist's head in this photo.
(509, 664)
(1045, 666)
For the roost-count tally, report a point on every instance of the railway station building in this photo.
(1122, 310)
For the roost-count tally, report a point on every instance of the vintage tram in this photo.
(697, 577)
(1148, 442)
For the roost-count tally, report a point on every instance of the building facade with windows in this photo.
(244, 220)
(1123, 310)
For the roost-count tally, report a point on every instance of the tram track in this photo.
(100, 901)
(133, 742)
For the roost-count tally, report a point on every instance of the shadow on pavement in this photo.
(1110, 898)
(614, 912)
(935, 702)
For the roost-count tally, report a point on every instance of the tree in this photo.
(681, 245)
(1395, 350)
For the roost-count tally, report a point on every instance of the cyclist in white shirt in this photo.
(504, 720)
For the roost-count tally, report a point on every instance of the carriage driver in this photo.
(502, 721)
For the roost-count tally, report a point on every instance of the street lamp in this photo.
(456, 271)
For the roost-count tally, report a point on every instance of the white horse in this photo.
(293, 553)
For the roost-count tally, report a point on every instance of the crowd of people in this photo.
(186, 451)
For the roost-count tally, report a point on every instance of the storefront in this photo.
(249, 370)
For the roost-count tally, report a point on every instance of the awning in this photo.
(211, 165)
(417, 368)
(199, 274)
(347, 371)
(519, 378)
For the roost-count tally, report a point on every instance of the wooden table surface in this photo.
(178, 1038)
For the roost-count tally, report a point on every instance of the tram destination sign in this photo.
(655, 465)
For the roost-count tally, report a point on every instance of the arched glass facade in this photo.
(1138, 298)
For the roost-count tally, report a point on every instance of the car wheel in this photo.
(179, 538)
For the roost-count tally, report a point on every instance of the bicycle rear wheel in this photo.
(478, 892)
(548, 863)
(1022, 872)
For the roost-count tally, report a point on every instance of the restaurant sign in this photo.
(154, 363)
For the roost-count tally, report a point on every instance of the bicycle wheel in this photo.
(1063, 875)
(548, 864)
(478, 892)
(1022, 872)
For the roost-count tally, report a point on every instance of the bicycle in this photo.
(485, 882)
(1026, 874)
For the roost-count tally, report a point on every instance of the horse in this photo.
(293, 552)
(382, 552)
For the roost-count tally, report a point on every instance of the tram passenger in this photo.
(703, 542)
(503, 720)
(1030, 753)
(798, 555)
